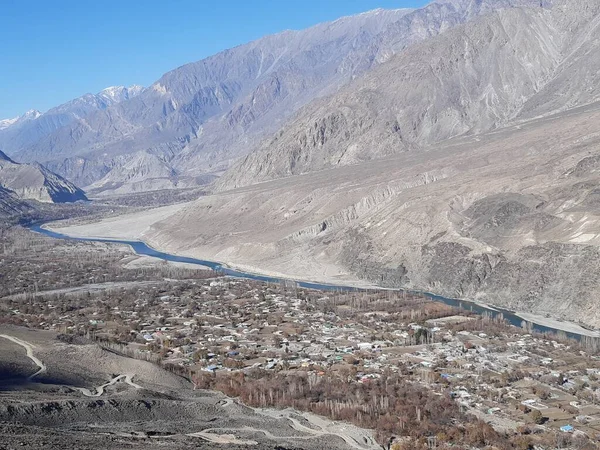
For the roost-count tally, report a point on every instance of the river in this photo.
(142, 248)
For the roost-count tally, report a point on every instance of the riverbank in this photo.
(115, 234)
(569, 327)
(133, 227)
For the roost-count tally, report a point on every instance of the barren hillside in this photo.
(509, 218)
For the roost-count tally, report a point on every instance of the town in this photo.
(212, 327)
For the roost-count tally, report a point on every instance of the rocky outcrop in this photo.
(10, 205)
(35, 182)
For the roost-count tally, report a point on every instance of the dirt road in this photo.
(100, 389)
(353, 436)
(29, 349)
(42, 368)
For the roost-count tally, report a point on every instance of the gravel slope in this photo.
(144, 407)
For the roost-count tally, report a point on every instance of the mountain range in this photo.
(465, 165)
(195, 121)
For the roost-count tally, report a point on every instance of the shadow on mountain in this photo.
(11, 379)
(15, 379)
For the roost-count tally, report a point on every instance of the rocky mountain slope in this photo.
(510, 218)
(10, 204)
(19, 133)
(194, 121)
(34, 182)
(509, 66)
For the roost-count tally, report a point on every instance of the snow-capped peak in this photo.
(112, 90)
(32, 114)
(5, 123)
(135, 89)
(119, 93)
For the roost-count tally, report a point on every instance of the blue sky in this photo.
(56, 50)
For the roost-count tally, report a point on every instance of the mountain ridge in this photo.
(477, 77)
(34, 182)
(33, 125)
(199, 118)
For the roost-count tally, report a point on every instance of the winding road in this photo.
(212, 434)
(29, 349)
(221, 438)
(100, 389)
(353, 436)
(208, 434)
(205, 434)
(42, 368)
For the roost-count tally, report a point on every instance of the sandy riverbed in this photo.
(558, 324)
(134, 227)
(127, 227)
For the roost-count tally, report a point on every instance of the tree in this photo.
(523, 443)
(537, 417)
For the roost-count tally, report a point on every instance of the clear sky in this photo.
(56, 50)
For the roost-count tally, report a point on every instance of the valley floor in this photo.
(136, 227)
(360, 357)
(300, 269)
